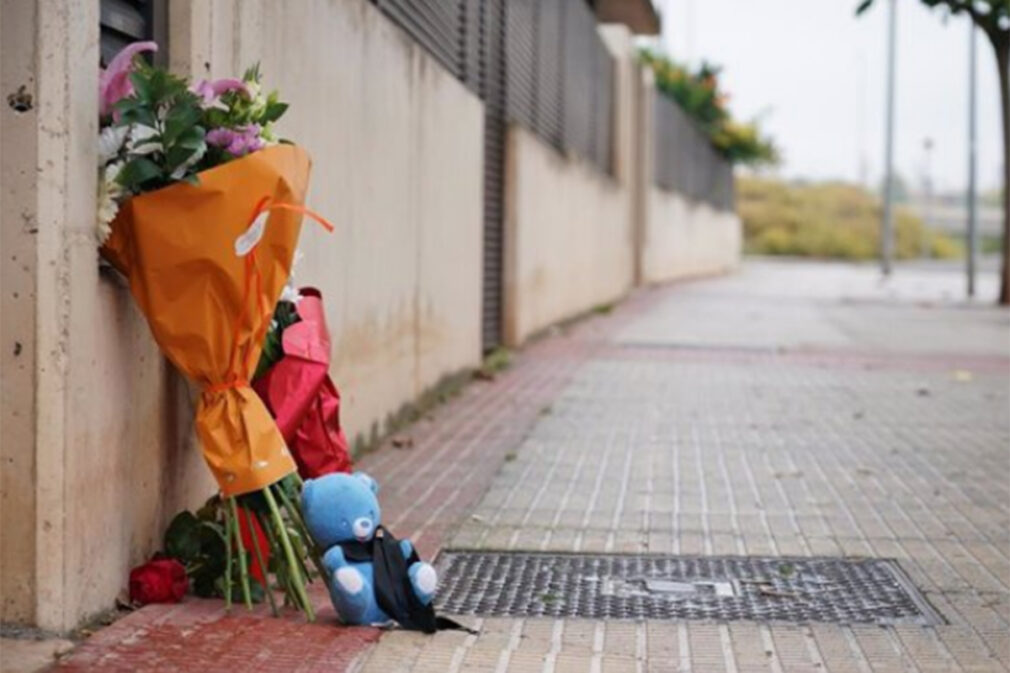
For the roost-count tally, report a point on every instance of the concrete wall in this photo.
(97, 441)
(569, 239)
(686, 239)
(397, 145)
(676, 237)
(92, 456)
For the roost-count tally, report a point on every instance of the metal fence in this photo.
(539, 63)
(685, 160)
(560, 77)
(558, 73)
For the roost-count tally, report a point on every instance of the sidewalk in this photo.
(790, 410)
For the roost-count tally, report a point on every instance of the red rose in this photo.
(158, 581)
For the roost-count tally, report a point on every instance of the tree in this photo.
(992, 17)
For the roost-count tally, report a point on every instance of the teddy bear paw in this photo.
(350, 580)
(426, 578)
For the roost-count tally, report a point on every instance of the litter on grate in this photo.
(728, 588)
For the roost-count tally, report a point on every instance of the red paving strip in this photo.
(198, 635)
(425, 492)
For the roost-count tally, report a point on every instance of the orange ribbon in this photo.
(252, 273)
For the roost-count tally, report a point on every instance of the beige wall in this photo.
(676, 237)
(569, 239)
(18, 233)
(687, 239)
(97, 441)
(568, 244)
(397, 145)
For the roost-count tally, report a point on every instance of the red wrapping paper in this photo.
(303, 400)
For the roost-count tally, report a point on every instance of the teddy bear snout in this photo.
(362, 527)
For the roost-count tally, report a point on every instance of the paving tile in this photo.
(792, 409)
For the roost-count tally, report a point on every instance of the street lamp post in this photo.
(927, 219)
(887, 226)
(972, 211)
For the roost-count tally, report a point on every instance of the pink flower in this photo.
(237, 142)
(114, 82)
(211, 91)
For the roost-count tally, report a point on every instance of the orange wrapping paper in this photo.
(208, 307)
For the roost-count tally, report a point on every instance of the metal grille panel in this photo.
(614, 586)
(437, 25)
(560, 77)
(685, 160)
(493, 91)
(539, 63)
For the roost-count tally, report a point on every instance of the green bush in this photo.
(829, 220)
(698, 94)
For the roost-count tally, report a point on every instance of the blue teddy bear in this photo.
(342, 514)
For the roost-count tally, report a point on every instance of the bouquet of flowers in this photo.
(200, 207)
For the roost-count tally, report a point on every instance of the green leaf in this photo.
(181, 119)
(138, 171)
(192, 138)
(133, 111)
(863, 6)
(141, 86)
(182, 539)
(175, 157)
(273, 112)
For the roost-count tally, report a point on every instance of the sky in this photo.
(815, 75)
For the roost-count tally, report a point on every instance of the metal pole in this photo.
(887, 226)
(927, 220)
(972, 212)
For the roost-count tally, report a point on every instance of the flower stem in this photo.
(259, 559)
(243, 565)
(303, 549)
(227, 561)
(278, 555)
(303, 530)
(296, 575)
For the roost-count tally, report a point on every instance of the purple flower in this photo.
(114, 82)
(237, 142)
(211, 91)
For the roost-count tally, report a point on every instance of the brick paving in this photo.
(792, 409)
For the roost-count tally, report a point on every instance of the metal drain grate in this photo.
(616, 586)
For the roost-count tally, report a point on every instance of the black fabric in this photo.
(359, 552)
(393, 590)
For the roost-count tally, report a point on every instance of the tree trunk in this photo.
(1003, 63)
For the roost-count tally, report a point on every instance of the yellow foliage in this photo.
(830, 220)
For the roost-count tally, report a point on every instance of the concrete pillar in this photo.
(50, 48)
(642, 163)
(96, 449)
(619, 42)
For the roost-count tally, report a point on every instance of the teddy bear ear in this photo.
(368, 481)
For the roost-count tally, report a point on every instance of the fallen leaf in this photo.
(775, 593)
(402, 442)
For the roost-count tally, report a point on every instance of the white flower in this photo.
(109, 193)
(140, 142)
(290, 293)
(110, 142)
